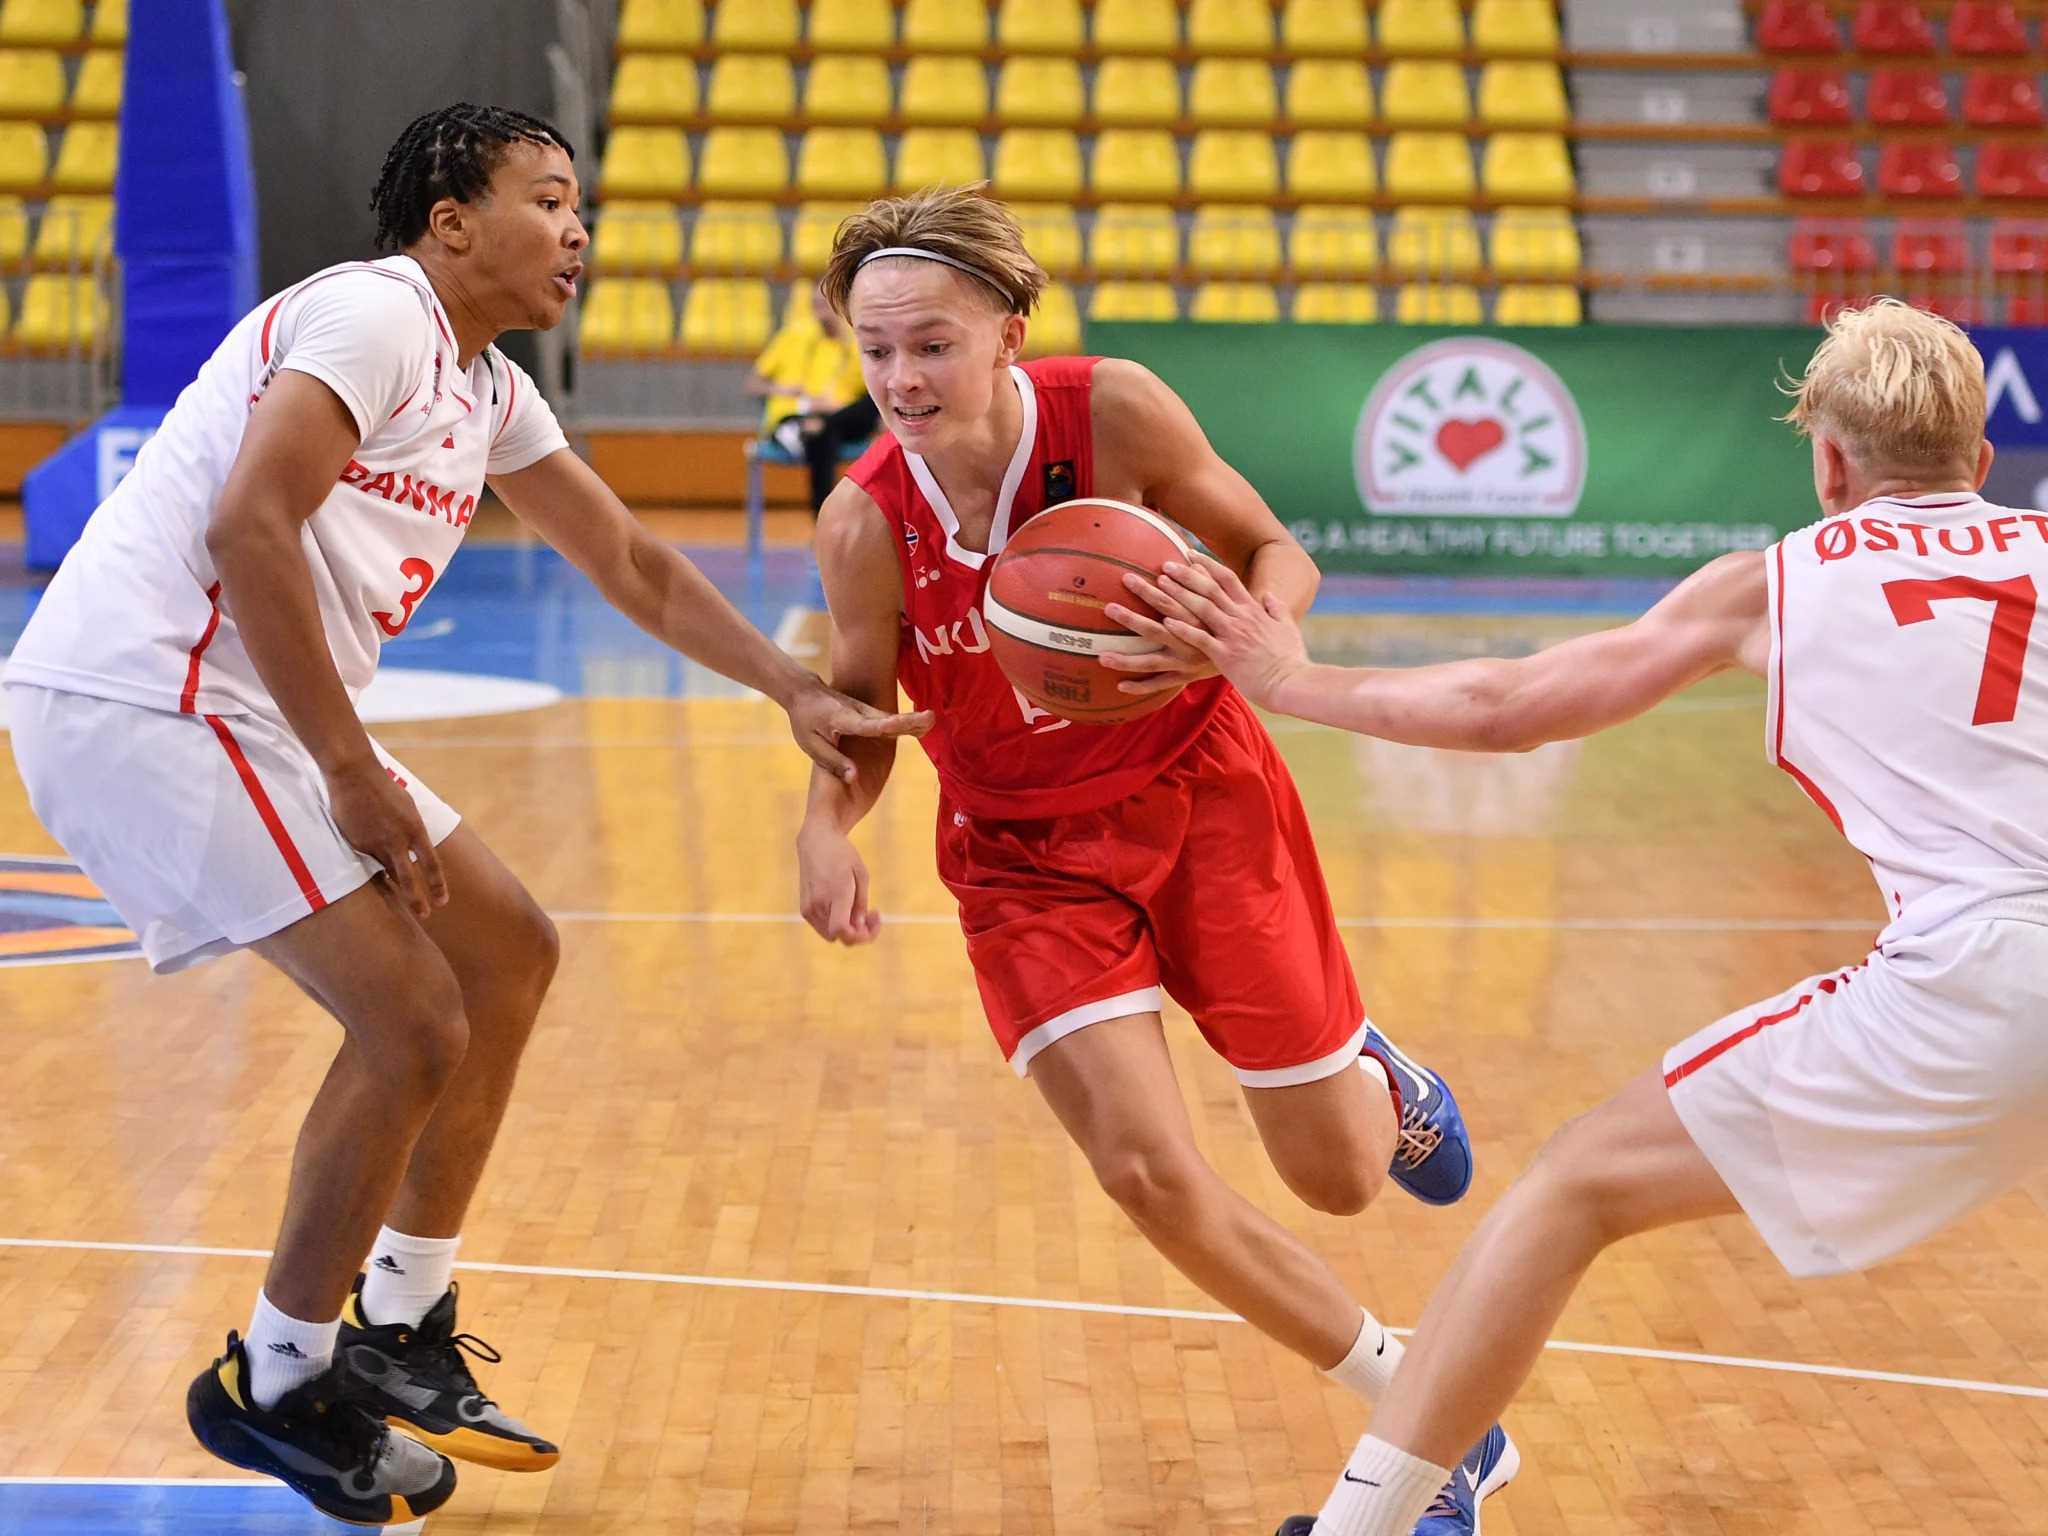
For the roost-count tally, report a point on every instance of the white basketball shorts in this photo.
(206, 832)
(1861, 1110)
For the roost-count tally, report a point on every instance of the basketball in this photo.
(1045, 599)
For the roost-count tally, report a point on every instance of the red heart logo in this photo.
(1465, 443)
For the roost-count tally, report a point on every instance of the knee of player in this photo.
(422, 1048)
(1155, 1186)
(1579, 1178)
(541, 944)
(1339, 1189)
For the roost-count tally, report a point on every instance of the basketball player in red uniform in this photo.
(1100, 868)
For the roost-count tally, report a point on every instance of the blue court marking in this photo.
(159, 1509)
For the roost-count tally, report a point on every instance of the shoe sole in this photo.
(1502, 1474)
(401, 1511)
(477, 1448)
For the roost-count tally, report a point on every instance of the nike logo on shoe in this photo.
(387, 1264)
(1417, 1086)
(1365, 1482)
(290, 1351)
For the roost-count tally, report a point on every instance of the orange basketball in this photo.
(1045, 599)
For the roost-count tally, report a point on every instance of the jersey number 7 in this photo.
(2012, 620)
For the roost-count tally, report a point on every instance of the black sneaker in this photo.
(322, 1440)
(417, 1381)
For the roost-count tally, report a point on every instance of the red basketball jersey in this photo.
(997, 754)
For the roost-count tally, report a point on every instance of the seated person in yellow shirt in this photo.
(817, 403)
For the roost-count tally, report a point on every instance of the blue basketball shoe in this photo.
(1486, 1469)
(1432, 1152)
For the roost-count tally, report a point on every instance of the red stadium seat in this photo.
(1942, 248)
(1994, 98)
(1798, 26)
(2012, 169)
(1986, 29)
(1807, 98)
(1950, 303)
(2019, 247)
(1919, 170)
(1908, 98)
(1892, 26)
(1823, 307)
(2027, 309)
(1842, 247)
(1820, 168)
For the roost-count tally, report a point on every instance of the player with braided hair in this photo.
(183, 714)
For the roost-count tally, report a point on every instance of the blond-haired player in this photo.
(1858, 1111)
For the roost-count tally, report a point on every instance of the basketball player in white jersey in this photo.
(183, 714)
(1858, 1111)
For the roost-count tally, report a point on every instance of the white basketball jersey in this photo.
(1909, 695)
(135, 612)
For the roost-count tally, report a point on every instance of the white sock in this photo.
(1375, 1072)
(406, 1276)
(284, 1352)
(1369, 1368)
(1383, 1492)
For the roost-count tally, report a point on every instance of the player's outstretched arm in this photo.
(864, 593)
(1715, 619)
(562, 499)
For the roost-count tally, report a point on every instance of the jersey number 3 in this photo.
(2012, 620)
(419, 575)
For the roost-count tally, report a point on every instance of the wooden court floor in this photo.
(787, 1249)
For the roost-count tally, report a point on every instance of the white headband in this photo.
(939, 256)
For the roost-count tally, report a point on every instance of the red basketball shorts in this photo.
(1204, 886)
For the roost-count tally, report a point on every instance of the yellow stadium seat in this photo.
(40, 21)
(846, 88)
(1535, 242)
(1515, 26)
(943, 90)
(1329, 93)
(751, 88)
(1527, 167)
(1425, 93)
(1429, 165)
(1232, 92)
(1231, 26)
(755, 24)
(1137, 92)
(1055, 328)
(841, 162)
(86, 158)
(1037, 162)
(944, 26)
(938, 157)
(1333, 241)
(1135, 239)
(61, 314)
(1523, 93)
(852, 25)
(1039, 26)
(1336, 304)
(636, 237)
(1051, 234)
(659, 24)
(727, 316)
(1329, 165)
(1234, 239)
(1137, 163)
(1545, 304)
(743, 162)
(1324, 27)
(645, 162)
(810, 240)
(1136, 26)
(75, 231)
(13, 232)
(1433, 242)
(1233, 162)
(1236, 303)
(24, 155)
(97, 91)
(1437, 304)
(627, 314)
(737, 237)
(654, 88)
(1133, 301)
(1044, 91)
(31, 82)
(1420, 26)
(110, 23)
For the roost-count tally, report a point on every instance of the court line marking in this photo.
(1867, 925)
(140, 1482)
(1048, 1304)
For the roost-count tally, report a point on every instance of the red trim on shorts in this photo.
(1686, 1069)
(268, 812)
(188, 701)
